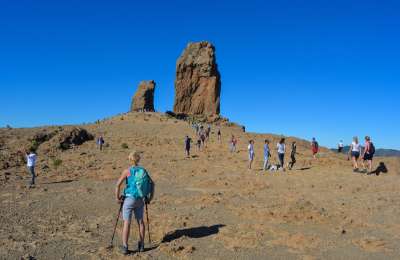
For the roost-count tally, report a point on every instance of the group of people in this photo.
(203, 135)
(281, 150)
(135, 195)
(356, 151)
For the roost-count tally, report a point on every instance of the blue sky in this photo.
(329, 69)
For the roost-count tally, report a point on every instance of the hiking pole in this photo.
(115, 227)
(148, 223)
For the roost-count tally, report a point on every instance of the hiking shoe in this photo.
(355, 170)
(124, 250)
(140, 247)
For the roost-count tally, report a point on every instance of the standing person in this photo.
(340, 146)
(368, 154)
(314, 147)
(219, 135)
(100, 142)
(267, 154)
(281, 152)
(355, 152)
(293, 155)
(30, 163)
(188, 140)
(202, 135)
(208, 131)
(233, 144)
(250, 148)
(198, 144)
(138, 191)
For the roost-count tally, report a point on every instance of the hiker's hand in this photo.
(120, 199)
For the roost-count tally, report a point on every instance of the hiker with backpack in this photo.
(281, 153)
(267, 154)
(314, 147)
(355, 152)
(293, 155)
(219, 135)
(188, 140)
(250, 148)
(139, 190)
(368, 155)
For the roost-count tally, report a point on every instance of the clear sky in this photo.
(329, 69)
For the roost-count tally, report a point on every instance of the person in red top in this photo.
(314, 147)
(368, 154)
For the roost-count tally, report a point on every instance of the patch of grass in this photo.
(56, 162)
(124, 146)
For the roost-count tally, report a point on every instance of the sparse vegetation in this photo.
(56, 162)
(124, 146)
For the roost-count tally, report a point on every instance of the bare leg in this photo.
(142, 231)
(125, 232)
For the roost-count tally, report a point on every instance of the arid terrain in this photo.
(208, 206)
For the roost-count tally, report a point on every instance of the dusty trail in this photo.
(208, 206)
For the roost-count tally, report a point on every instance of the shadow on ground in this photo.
(197, 232)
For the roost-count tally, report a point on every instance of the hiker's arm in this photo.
(119, 183)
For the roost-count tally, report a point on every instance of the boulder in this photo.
(143, 100)
(197, 83)
(73, 137)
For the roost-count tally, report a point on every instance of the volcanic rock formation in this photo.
(197, 83)
(144, 97)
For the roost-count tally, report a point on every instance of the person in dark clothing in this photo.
(100, 142)
(293, 155)
(188, 140)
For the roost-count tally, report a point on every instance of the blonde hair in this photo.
(355, 139)
(134, 156)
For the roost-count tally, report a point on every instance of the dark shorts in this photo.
(355, 154)
(368, 157)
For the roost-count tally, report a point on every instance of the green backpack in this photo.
(139, 185)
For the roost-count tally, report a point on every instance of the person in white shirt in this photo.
(250, 148)
(355, 152)
(281, 152)
(340, 146)
(30, 163)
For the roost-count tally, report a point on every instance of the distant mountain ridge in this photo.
(379, 152)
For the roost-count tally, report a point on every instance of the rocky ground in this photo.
(206, 206)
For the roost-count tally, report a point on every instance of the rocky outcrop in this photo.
(197, 83)
(143, 100)
(73, 137)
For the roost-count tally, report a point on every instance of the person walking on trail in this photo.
(267, 154)
(281, 153)
(250, 148)
(355, 152)
(208, 132)
(199, 144)
(30, 163)
(100, 142)
(139, 190)
(340, 146)
(368, 155)
(314, 147)
(202, 136)
(293, 155)
(219, 135)
(188, 140)
(233, 143)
